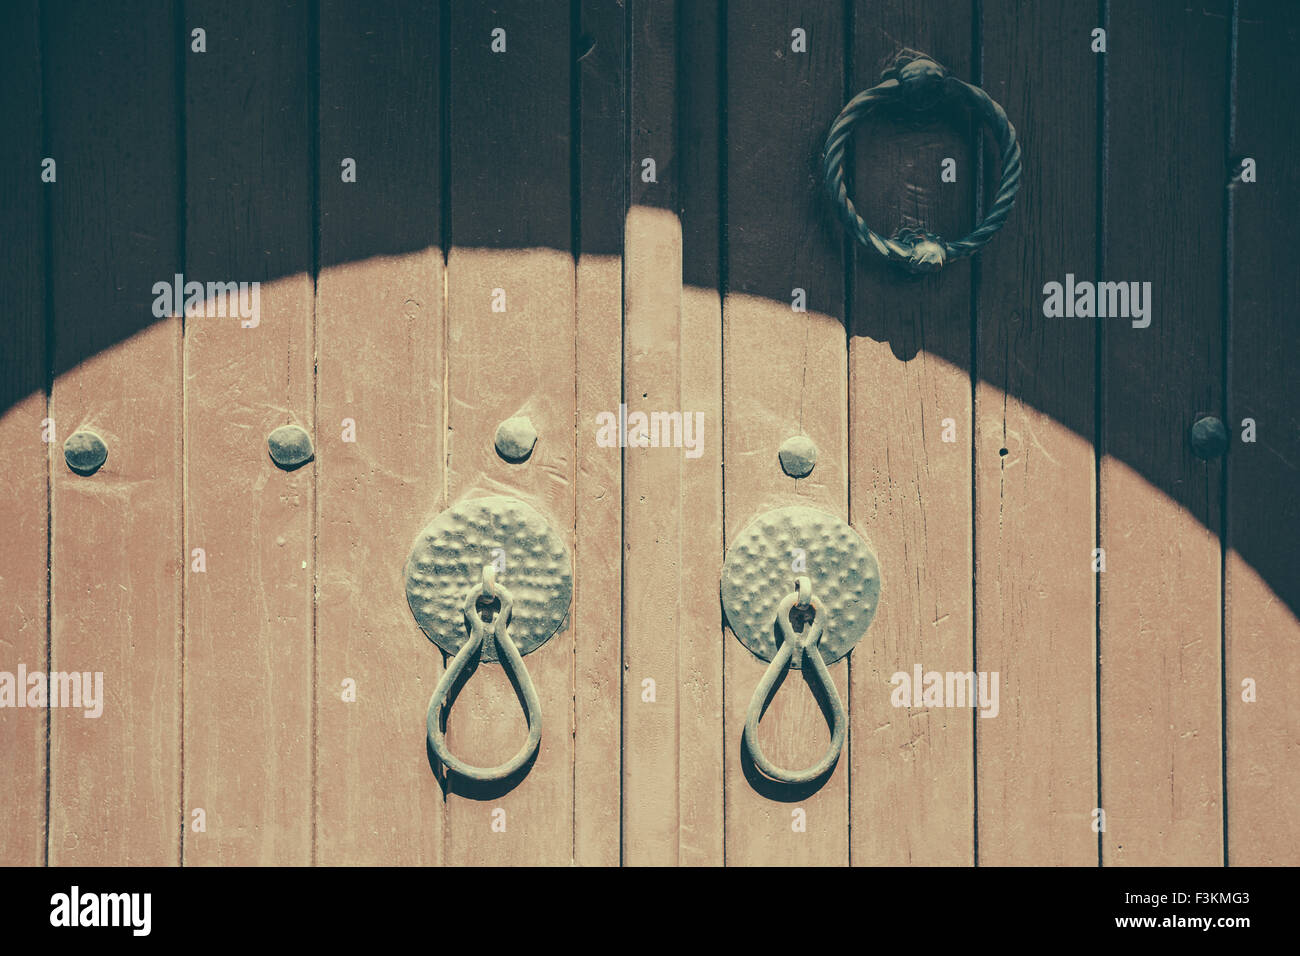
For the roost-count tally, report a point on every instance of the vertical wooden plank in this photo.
(379, 315)
(1160, 593)
(511, 230)
(1262, 593)
(248, 617)
(1035, 517)
(654, 498)
(597, 612)
(784, 375)
(913, 789)
(701, 639)
(673, 503)
(24, 509)
(115, 560)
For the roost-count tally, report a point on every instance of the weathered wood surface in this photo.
(1161, 602)
(910, 491)
(598, 543)
(1035, 499)
(116, 563)
(1262, 590)
(380, 366)
(983, 448)
(250, 617)
(672, 645)
(510, 241)
(701, 640)
(655, 506)
(784, 374)
(24, 508)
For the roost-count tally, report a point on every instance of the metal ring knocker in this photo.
(513, 662)
(917, 82)
(796, 648)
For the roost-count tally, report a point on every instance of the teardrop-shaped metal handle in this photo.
(795, 648)
(480, 632)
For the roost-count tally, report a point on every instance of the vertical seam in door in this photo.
(723, 280)
(977, 137)
(444, 200)
(677, 186)
(628, 22)
(181, 242)
(1099, 400)
(445, 224)
(575, 244)
(47, 211)
(1225, 514)
(848, 263)
(313, 150)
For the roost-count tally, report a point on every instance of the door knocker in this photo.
(453, 591)
(799, 589)
(916, 82)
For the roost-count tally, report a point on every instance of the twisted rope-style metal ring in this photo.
(917, 82)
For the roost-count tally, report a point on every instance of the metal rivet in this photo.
(516, 438)
(1209, 438)
(84, 451)
(290, 446)
(798, 456)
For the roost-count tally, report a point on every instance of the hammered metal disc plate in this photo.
(449, 555)
(758, 573)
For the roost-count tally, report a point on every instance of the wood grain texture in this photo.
(602, 201)
(673, 755)
(223, 686)
(1035, 505)
(701, 817)
(511, 231)
(910, 490)
(380, 331)
(1261, 599)
(249, 617)
(784, 375)
(115, 558)
(653, 530)
(1160, 593)
(25, 473)
(654, 501)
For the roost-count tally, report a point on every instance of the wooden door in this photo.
(459, 214)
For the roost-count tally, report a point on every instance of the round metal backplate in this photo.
(449, 555)
(760, 570)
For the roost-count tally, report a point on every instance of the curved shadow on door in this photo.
(366, 219)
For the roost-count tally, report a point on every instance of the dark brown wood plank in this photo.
(249, 617)
(1262, 591)
(910, 490)
(1160, 506)
(380, 333)
(116, 560)
(1035, 517)
(511, 230)
(25, 473)
(784, 375)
